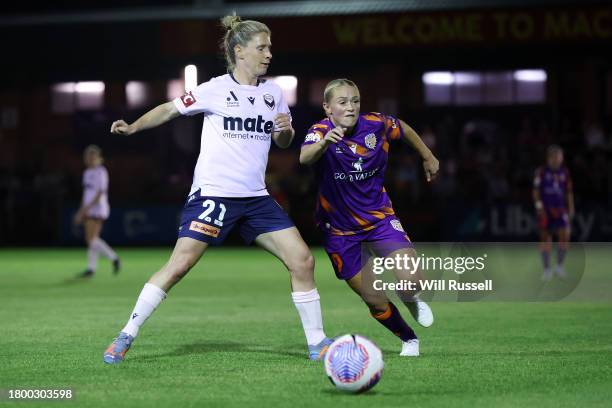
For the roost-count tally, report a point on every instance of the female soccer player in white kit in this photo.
(242, 115)
(94, 210)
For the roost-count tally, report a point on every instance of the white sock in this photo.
(309, 308)
(92, 258)
(150, 297)
(102, 247)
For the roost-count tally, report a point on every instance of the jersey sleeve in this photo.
(393, 128)
(194, 102)
(282, 105)
(315, 134)
(283, 108)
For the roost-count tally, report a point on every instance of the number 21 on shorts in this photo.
(210, 206)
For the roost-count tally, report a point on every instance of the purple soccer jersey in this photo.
(554, 186)
(350, 174)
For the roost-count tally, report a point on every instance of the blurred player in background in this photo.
(242, 115)
(350, 154)
(554, 202)
(95, 210)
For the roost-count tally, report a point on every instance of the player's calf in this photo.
(395, 323)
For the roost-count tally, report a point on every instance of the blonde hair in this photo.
(553, 148)
(238, 32)
(95, 149)
(329, 88)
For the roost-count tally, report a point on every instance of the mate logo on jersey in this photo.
(258, 124)
(188, 99)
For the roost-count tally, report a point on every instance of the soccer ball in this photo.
(354, 363)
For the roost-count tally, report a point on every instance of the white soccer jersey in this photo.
(236, 135)
(94, 180)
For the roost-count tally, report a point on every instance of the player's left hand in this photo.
(282, 123)
(431, 165)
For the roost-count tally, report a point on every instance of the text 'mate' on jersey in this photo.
(553, 185)
(236, 134)
(350, 174)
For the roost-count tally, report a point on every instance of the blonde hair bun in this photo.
(230, 22)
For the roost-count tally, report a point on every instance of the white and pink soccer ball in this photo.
(354, 363)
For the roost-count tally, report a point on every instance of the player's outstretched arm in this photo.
(153, 118)
(431, 165)
(313, 152)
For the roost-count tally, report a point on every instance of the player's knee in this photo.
(301, 262)
(302, 265)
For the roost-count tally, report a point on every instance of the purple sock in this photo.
(546, 259)
(393, 321)
(561, 256)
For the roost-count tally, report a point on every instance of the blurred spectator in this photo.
(594, 135)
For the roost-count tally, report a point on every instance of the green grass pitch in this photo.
(229, 336)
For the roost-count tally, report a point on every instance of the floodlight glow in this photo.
(438, 78)
(175, 88)
(530, 75)
(191, 77)
(65, 87)
(89, 87)
(467, 78)
(288, 85)
(136, 93)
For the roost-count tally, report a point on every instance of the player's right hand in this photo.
(334, 136)
(120, 127)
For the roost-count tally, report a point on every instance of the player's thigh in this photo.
(407, 268)
(186, 253)
(545, 235)
(288, 246)
(93, 228)
(564, 237)
(564, 234)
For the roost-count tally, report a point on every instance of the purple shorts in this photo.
(556, 218)
(348, 253)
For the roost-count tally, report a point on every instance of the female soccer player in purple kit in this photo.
(554, 202)
(350, 153)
